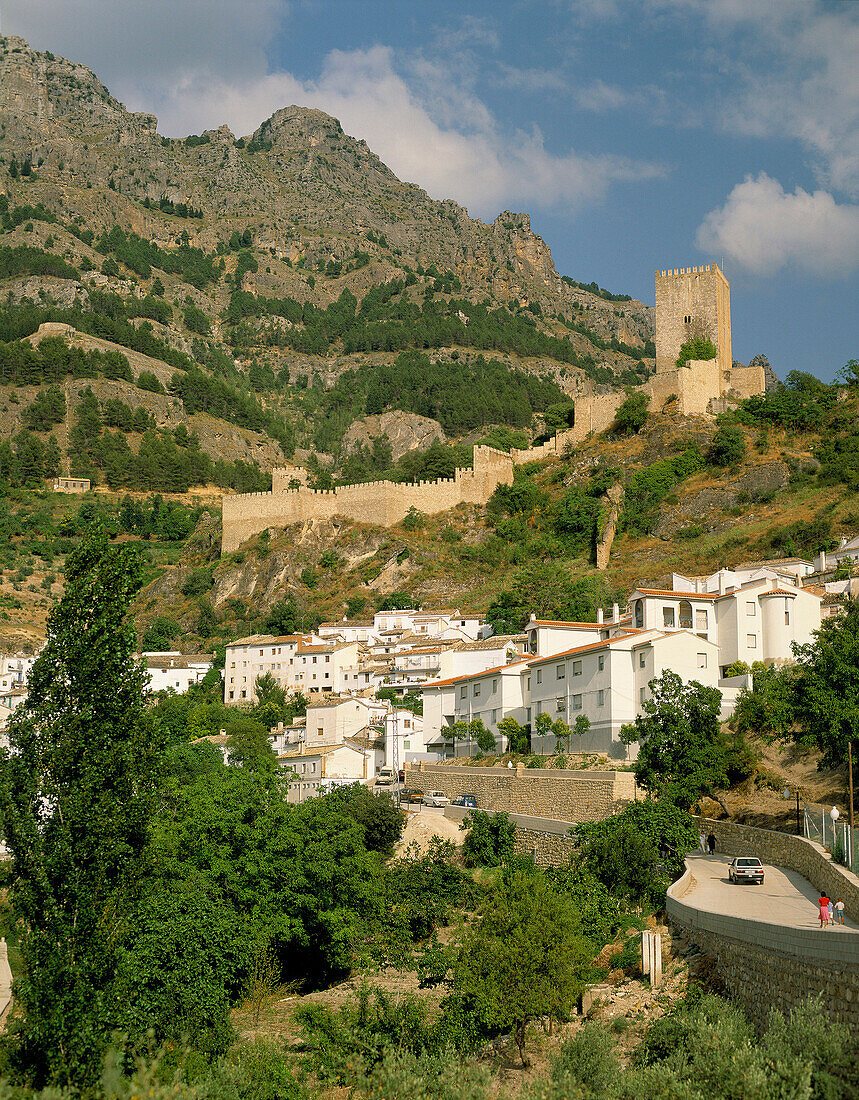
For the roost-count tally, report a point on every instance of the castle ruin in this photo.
(691, 302)
(380, 502)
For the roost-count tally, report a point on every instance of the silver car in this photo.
(435, 798)
(746, 869)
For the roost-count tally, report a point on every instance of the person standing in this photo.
(829, 910)
(823, 904)
(839, 911)
(711, 843)
(702, 841)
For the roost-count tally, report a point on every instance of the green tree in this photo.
(524, 958)
(489, 840)
(517, 736)
(682, 753)
(637, 853)
(78, 790)
(632, 414)
(825, 688)
(728, 446)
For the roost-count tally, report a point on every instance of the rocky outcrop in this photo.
(404, 431)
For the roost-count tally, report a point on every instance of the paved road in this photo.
(785, 899)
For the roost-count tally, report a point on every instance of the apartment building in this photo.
(174, 671)
(299, 662)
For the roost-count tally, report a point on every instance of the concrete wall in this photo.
(766, 966)
(567, 795)
(379, 502)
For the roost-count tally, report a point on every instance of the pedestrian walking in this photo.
(829, 911)
(823, 904)
(839, 911)
(711, 844)
(702, 841)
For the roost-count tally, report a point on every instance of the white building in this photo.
(174, 671)
(758, 620)
(248, 658)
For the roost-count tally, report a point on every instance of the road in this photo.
(785, 899)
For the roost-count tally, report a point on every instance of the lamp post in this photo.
(833, 816)
(786, 794)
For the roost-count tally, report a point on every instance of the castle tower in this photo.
(692, 302)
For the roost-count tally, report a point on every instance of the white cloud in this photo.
(764, 229)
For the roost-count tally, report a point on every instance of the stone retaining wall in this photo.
(565, 795)
(545, 840)
(767, 966)
(794, 852)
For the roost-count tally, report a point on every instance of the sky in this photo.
(637, 135)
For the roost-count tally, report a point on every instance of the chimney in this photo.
(615, 613)
(599, 614)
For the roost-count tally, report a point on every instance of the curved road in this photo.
(785, 899)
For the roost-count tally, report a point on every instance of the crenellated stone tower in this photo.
(692, 302)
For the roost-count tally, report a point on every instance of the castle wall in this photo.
(692, 301)
(747, 381)
(380, 502)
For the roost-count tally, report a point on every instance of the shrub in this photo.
(490, 838)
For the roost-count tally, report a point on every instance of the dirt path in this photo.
(425, 823)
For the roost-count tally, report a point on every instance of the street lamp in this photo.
(799, 829)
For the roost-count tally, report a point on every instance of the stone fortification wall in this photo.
(536, 792)
(747, 381)
(380, 502)
(794, 852)
(767, 966)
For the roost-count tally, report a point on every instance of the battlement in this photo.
(379, 502)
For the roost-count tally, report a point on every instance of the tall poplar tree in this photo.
(78, 792)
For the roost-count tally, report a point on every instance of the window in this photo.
(750, 607)
(528, 714)
(463, 692)
(539, 676)
(319, 731)
(560, 705)
(638, 612)
(752, 641)
(685, 615)
(641, 695)
(407, 724)
(527, 683)
(668, 616)
(641, 659)
(476, 691)
(600, 698)
(406, 744)
(786, 615)
(561, 671)
(700, 620)
(577, 668)
(601, 662)
(577, 702)
(495, 685)
(702, 660)
(495, 718)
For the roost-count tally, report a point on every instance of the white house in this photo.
(758, 620)
(248, 658)
(175, 671)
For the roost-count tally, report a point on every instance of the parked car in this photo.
(410, 795)
(469, 800)
(385, 778)
(435, 798)
(746, 869)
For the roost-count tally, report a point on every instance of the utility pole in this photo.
(850, 783)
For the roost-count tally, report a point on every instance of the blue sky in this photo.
(637, 135)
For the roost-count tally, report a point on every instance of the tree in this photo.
(78, 793)
(517, 736)
(825, 689)
(681, 751)
(728, 446)
(525, 957)
(490, 838)
(638, 852)
(632, 414)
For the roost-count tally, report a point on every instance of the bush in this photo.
(490, 838)
(728, 446)
(632, 414)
